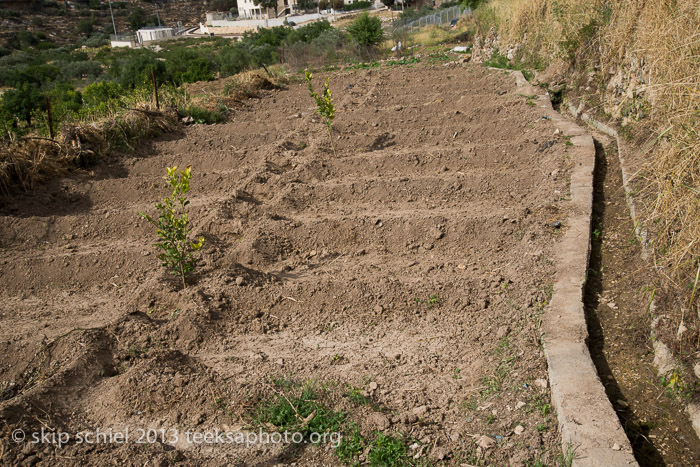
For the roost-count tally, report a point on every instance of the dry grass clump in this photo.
(250, 83)
(645, 58)
(435, 35)
(667, 38)
(26, 162)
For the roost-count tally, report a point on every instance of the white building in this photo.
(249, 10)
(154, 34)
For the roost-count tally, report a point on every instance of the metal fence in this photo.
(122, 37)
(442, 17)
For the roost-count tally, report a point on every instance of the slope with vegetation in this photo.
(84, 85)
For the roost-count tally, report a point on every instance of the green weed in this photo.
(352, 445)
(387, 451)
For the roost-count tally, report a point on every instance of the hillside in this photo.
(65, 23)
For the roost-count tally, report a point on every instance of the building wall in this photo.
(147, 35)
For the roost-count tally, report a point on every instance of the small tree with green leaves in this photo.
(366, 30)
(324, 103)
(173, 227)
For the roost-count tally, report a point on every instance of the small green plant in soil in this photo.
(302, 412)
(203, 116)
(351, 446)
(355, 395)
(676, 386)
(431, 301)
(387, 451)
(173, 226)
(324, 103)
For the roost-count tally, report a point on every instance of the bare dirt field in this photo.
(390, 291)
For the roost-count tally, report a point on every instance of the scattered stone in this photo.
(440, 453)
(240, 281)
(420, 411)
(379, 421)
(519, 430)
(612, 305)
(542, 383)
(373, 386)
(681, 330)
(520, 405)
(378, 309)
(622, 403)
(485, 442)
(502, 332)
(616, 447)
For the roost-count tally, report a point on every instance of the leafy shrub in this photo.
(309, 32)
(306, 4)
(233, 60)
(413, 13)
(96, 40)
(7, 14)
(80, 70)
(358, 5)
(473, 4)
(101, 92)
(366, 30)
(136, 71)
(188, 65)
(85, 26)
(65, 102)
(324, 103)
(24, 40)
(173, 226)
(223, 5)
(139, 19)
(22, 101)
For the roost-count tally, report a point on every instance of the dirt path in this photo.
(402, 278)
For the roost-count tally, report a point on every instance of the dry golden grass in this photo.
(26, 162)
(607, 36)
(435, 35)
(250, 83)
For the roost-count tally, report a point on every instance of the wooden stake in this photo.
(48, 111)
(155, 89)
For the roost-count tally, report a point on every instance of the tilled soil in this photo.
(401, 272)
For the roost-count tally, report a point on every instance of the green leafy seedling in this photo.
(324, 103)
(173, 226)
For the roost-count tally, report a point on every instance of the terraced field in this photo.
(399, 280)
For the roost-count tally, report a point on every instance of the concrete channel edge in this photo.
(590, 429)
